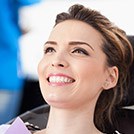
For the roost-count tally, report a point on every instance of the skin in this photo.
(73, 52)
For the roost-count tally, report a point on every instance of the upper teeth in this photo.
(60, 79)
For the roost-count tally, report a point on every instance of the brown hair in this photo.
(118, 51)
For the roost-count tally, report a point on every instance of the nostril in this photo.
(61, 65)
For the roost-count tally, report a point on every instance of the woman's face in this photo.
(72, 70)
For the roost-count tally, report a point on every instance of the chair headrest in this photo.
(130, 97)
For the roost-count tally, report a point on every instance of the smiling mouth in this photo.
(60, 79)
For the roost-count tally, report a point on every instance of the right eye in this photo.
(49, 50)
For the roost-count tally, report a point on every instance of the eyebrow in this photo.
(80, 43)
(51, 42)
(71, 43)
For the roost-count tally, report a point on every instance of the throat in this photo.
(61, 122)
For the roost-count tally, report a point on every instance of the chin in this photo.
(57, 102)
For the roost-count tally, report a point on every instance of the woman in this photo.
(83, 72)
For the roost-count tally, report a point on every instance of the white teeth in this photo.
(60, 79)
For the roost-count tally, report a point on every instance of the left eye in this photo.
(80, 51)
(49, 50)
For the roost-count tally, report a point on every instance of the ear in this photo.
(112, 78)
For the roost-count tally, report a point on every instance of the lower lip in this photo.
(59, 84)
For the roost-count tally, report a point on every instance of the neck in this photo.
(68, 121)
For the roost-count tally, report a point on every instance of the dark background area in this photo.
(32, 97)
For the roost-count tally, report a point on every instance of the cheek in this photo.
(90, 75)
(41, 72)
(84, 69)
(41, 67)
(41, 75)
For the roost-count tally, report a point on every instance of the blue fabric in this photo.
(9, 106)
(9, 45)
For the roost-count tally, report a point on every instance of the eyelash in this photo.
(49, 50)
(80, 51)
(77, 50)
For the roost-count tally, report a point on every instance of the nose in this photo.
(60, 62)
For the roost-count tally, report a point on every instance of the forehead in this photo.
(76, 30)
